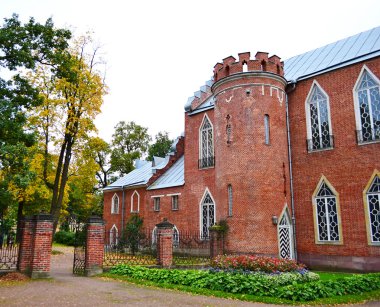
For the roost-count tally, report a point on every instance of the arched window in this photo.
(267, 129)
(114, 236)
(207, 214)
(327, 213)
(245, 66)
(115, 204)
(135, 202)
(206, 142)
(285, 237)
(367, 107)
(175, 236)
(319, 132)
(372, 203)
(229, 192)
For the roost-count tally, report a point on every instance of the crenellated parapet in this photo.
(261, 62)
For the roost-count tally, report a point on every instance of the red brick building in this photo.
(288, 153)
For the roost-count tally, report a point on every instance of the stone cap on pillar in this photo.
(165, 224)
(94, 219)
(43, 216)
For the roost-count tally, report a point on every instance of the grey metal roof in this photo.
(344, 52)
(137, 177)
(206, 105)
(173, 177)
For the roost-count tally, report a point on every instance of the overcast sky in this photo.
(160, 52)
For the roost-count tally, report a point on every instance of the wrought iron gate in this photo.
(79, 250)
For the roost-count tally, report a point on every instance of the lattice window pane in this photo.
(327, 214)
(373, 199)
(208, 215)
(207, 145)
(319, 121)
(375, 186)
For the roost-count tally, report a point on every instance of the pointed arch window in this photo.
(327, 217)
(285, 236)
(135, 202)
(115, 204)
(207, 215)
(114, 232)
(367, 109)
(206, 142)
(319, 132)
(372, 200)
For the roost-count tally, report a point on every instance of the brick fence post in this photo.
(26, 246)
(216, 243)
(165, 244)
(94, 246)
(35, 247)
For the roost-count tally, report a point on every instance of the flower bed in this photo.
(256, 263)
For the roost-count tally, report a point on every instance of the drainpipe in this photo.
(291, 173)
(122, 211)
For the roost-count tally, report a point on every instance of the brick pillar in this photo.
(216, 243)
(35, 247)
(165, 244)
(94, 246)
(26, 246)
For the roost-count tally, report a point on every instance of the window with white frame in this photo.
(367, 92)
(373, 207)
(174, 202)
(207, 215)
(113, 239)
(156, 203)
(327, 216)
(319, 132)
(135, 202)
(206, 156)
(229, 192)
(115, 204)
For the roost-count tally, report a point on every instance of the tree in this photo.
(133, 233)
(130, 141)
(22, 47)
(161, 147)
(75, 96)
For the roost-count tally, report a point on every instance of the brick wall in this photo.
(348, 166)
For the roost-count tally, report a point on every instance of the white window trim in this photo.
(112, 204)
(155, 196)
(366, 208)
(356, 99)
(111, 234)
(200, 208)
(315, 213)
(154, 203)
(138, 201)
(200, 147)
(173, 194)
(307, 112)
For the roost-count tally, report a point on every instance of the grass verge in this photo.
(347, 299)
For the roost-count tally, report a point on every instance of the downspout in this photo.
(291, 173)
(122, 211)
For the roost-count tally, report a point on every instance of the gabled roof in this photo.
(139, 176)
(173, 177)
(342, 53)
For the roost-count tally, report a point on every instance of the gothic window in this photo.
(207, 215)
(327, 213)
(115, 204)
(285, 236)
(229, 192)
(113, 236)
(206, 156)
(319, 135)
(266, 128)
(174, 202)
(373, 210)
(367, 109)
(135, 202)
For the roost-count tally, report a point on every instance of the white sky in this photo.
(159, 52)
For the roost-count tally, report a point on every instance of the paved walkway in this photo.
(64, 289)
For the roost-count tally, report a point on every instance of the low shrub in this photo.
(256, 263)
(249, 283)
(65, 237)
(355, 284)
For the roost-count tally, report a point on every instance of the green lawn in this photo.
(332, 275)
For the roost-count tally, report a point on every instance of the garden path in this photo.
(64, 289)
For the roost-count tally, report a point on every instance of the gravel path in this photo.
(64, 289)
